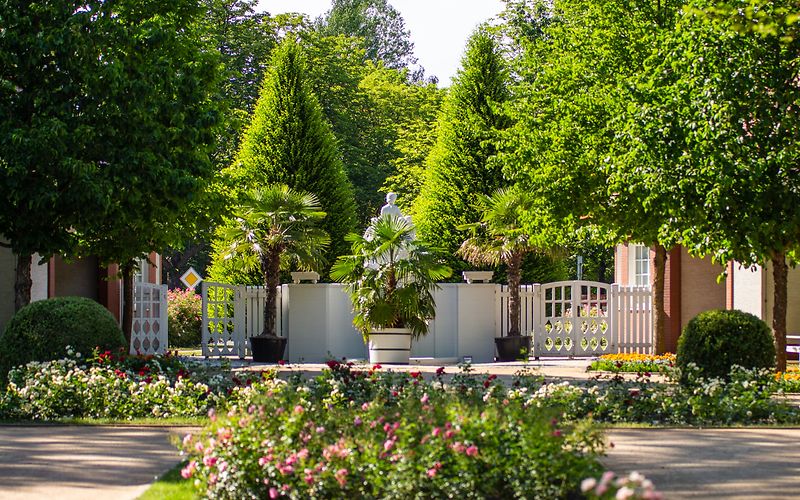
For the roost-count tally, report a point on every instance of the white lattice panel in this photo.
(221, 337)
(149, 329)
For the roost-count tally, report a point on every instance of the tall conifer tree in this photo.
(289, 142)
(460, 166)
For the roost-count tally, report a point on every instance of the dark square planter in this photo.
(267, 349)
(513, 348)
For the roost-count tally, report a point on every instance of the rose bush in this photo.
(114, 386)
(374, 434)
(184, 309)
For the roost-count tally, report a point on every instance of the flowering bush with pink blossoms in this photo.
(373, 434)
(634, 486)
(184, 308)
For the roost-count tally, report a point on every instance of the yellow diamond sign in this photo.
(191, 278)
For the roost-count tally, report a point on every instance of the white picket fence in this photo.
(149, 330)
(571, 318)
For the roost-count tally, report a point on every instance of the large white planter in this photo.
(390, 346)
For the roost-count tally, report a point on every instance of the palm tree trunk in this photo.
(514, 265)
(271, 265)
(659, 313)
(22, 281)
(779, 275)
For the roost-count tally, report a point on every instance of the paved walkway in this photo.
(83, 462)
(551, 368)
(741, 464)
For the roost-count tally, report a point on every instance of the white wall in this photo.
(40, 278)
(319, 324)
(749, 288)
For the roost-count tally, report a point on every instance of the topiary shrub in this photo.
(185, 320)
(716, 340)
(41, 331)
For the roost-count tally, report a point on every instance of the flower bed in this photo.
(790, 380)
(112, 386)
(372, 434)
(633, 363)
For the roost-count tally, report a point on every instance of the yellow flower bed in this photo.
(792, 373)
(638, 358)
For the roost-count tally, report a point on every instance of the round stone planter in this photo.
(390, 346)
(267, 349)
(513, 348)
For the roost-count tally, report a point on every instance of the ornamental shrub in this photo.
(185, 318)
(353, 434)
(42, 330)
(716, 340)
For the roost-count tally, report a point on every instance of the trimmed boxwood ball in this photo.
(716, 340)
(42, 330)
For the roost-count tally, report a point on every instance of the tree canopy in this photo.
(378, 25)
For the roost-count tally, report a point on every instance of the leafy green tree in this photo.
(569, 143)
(460, 166)
(50, 72)
(742, 155)
(410, 111)
(378, 25)
(113, 102)
(244, 38)
(273, 228)
(155, 134)
(289, 142)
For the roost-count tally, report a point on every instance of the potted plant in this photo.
(500, 238)
(390, 278)
(274, 228)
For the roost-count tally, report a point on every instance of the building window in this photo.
(142, 274)
(641, 265)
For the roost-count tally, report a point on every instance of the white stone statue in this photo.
(390, 207)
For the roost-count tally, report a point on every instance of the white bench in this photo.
(793, 344)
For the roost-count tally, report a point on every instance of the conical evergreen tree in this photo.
(459, 167)
(289, 142)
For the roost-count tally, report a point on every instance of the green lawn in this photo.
(171, 486)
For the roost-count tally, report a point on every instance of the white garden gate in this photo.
(580, 318)
(149, 329)
(231, 315)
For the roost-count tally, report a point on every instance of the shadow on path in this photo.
(711, 463)
(83, 461)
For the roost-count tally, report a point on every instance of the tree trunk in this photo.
(779, 274)
(601, 268)
(127, 300)
(22, 281)
(271, 265)
(659, 313)
(514, 265)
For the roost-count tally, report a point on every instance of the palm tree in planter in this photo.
(391, 278)
(500, 238)
(275, 227)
